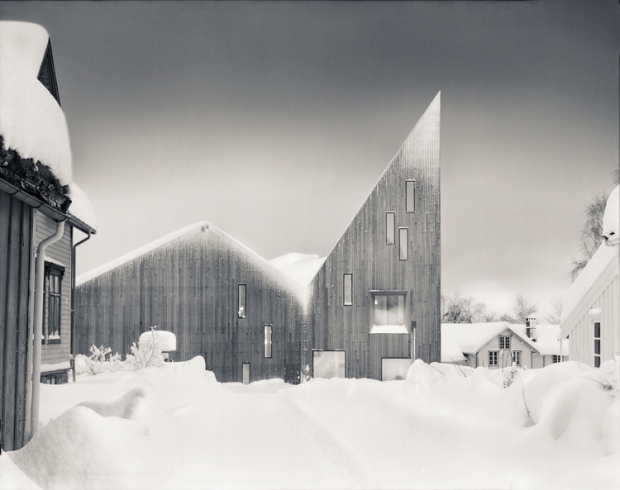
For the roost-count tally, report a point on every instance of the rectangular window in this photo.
(403, 243)
(394, 369)
(241, 300)
(347, 282)
(328, 364)
(52, 293)
(268, 329)
(493, 358)
(245, 373)
(597, 344)
(389, 313)
(410, 196)
(556, 359)
(516, 357)
(390, 227)
(504, 342)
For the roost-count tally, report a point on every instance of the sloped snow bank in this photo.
(446, 426)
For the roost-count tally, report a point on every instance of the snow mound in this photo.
(167, 340)
(81, 207)
(611, 218)
(12, 477)
(31, 121)
(300, 267)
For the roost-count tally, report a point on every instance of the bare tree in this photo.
(591, 237)
(524, 307)
(554, 316)
(458, 309)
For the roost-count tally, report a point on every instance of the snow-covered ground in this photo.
(444, 427)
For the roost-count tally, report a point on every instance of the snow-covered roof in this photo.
(81, 207)
(602, 259)
(31, 121)
(611, 218)
(458, 339)
(300, 267)
(300, 291)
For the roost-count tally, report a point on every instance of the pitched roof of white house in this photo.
(605, 260)
(458, 339)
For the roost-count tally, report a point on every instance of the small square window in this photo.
(557, 359)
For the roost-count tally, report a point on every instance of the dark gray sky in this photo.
(275, 120)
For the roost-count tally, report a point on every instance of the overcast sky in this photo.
(274, 121)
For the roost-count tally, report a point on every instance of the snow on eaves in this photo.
(102, 269)
(81, 207)
(298, 290)
(300, 267)
(611, 218)
(31, 121)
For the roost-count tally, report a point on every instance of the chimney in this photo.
(530, 327)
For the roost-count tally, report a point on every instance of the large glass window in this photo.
(52, 293)
(328, 363)
(347, 283)
(241, 300)
(403, 243)
(389, 313)
(394, 369)
(390, 227)
(410, 196)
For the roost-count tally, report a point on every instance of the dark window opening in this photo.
(597, 344)
(52, 294)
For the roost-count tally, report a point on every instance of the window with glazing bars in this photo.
(241, 301)
(410, 196)
(493, 358)
(347, 283)
(390, 226)
(52, 296)
(597, 344)
(516, 357)
(504, 342)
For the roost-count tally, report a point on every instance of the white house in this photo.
(590, 310)
(498, 344)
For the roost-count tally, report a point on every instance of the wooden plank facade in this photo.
(406, 198)
(15, 258)
(190, 284)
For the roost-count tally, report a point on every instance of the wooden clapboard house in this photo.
(373, 306)
(32, 203)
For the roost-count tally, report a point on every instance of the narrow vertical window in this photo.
(410, 196)
(597, 344)
(245, 373)
(516, 357)
(52, 298)
(390, 224)
(241, 299)
(403, 243)
(347, 281)
(268, 341)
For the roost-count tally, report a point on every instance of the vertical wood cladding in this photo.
(365, 251)
(15, 254)
(60, 252)
(189, 286)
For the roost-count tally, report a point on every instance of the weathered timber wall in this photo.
(60, 252)
(189, 286)
(375, 265)
(15, 254)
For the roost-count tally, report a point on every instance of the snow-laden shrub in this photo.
(99, 360)
(146, 353)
